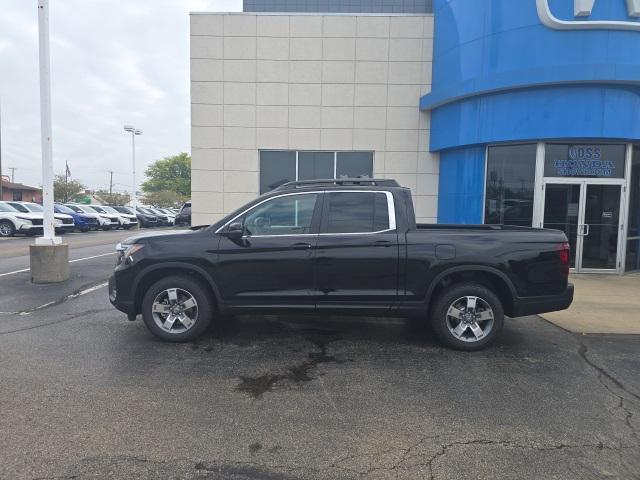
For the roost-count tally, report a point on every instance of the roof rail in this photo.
(376, 182)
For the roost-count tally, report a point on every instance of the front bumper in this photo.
(121, 301)
(524, 306)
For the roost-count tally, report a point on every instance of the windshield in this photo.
(20, 207)
(144, 210)
(110, 210)
(33, 207)
(64, 209)
(96, 208)
(124, 210)
(75, 208)
(4, 207)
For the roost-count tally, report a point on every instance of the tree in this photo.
(64, 190)
(113, 198)
(171, 174)
(164, 199)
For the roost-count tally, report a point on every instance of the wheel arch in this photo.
(152, 274)
(491, 277)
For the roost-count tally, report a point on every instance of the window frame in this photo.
(391, 213)
(335, 161)
(315, 219)
(318, 214)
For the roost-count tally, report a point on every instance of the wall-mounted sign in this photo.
(583, 8)
(591, 161)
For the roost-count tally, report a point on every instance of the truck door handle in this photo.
(382, 243)
(301, 246)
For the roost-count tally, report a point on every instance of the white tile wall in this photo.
(308, 82)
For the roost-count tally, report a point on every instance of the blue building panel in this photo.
(504, 72)
(339, 6)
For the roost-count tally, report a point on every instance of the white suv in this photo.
(14, 221)
(62, 222)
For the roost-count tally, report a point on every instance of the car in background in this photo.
(147, 217)
(169, 212)
(64, 223)
(103, 222)
(14, 221)
(146, 220)
(125, 213)
(83, 222)
(164, 218)
(184, 215)
(117, 220)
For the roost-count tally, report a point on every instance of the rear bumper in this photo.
(524, 306)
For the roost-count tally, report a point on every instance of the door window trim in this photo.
(391, 212)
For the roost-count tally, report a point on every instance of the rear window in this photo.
(356, 212)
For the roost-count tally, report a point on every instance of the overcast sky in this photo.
(113, 62)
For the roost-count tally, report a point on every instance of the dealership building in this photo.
(522, 112)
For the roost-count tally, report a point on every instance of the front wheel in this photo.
(177, 309)
(106, 228)
(7, 229)
(467, 316)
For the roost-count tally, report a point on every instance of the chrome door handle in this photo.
(301, 246)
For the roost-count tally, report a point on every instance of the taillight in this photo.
(564, 251)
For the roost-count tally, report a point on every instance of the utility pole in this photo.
(110, 181)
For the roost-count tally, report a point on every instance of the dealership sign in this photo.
(582, 9)
(584, 162)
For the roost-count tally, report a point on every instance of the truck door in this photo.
(271, 265)
(357, 255)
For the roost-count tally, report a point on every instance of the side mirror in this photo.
(234, 231)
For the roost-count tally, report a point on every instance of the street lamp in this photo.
(134, 131)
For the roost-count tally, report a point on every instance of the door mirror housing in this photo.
(235, 230)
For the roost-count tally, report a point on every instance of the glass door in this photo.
(589, 214)
(600, 235)
(562, 212)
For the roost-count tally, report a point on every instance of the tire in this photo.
(201, 314)
(106, 228)
(468, 333)
(7, 228)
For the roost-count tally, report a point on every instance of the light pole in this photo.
(134, 131)
(49, 257)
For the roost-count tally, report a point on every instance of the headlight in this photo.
(25, 219)
(125, 253)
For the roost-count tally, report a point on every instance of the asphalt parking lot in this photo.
(87, 394)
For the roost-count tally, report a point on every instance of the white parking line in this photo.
(70, 261)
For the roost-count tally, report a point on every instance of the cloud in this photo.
(113, 62)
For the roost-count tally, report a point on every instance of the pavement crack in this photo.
(55, 322)
(83, 290)
(622, 402)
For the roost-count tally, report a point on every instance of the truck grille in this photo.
(37, 221)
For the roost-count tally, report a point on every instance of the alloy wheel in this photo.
(470, 319)
(175, 310)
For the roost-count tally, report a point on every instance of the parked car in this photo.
(83, 222)
(169, 213)
(104, 222)
(131, 219)
(14, 221)
(164, 219)
(184, 215)
(147, 218)
(345, 247)
(64, 223)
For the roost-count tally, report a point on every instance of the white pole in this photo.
(48, 237)
(133, 157)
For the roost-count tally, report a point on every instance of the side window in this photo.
(356, 212)
(289, 215)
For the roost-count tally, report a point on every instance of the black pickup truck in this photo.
(347, 247)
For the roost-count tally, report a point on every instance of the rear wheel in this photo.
(468, 316)
(177, 309)
(7, 229)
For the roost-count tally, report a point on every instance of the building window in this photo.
(17, 195)
(281, 166)
(510, 183)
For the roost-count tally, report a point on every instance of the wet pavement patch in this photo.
(303, 372)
